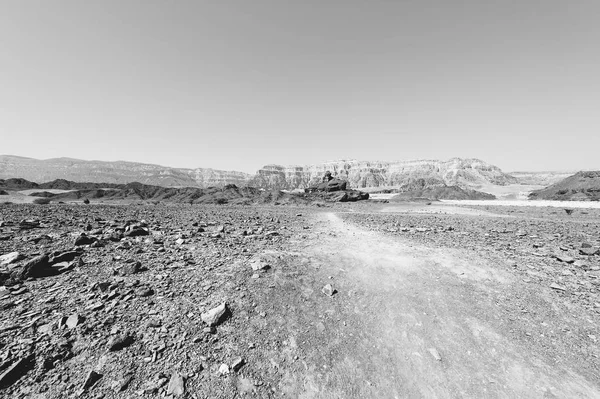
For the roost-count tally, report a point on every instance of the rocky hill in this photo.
(70, 191)
(67, 191)
(582, 186)
(119, 172)
(58, 184)
(464, 173)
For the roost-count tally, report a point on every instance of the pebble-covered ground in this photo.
(544, 245)
(196, 301)
(554, 254)
(126, 301)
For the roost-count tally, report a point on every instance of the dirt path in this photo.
(417, 322)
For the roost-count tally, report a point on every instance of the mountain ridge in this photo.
(118, 172)
(466, 173)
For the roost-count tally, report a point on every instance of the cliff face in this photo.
(466, 173)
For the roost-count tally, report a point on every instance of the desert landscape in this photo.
(299, 199)
(118, 290)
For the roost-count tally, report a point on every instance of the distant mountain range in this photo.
(471, 174)
(118, 172)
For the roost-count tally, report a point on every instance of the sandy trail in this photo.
(421, 323)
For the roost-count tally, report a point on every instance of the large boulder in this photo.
(330, 186)
(337, 190)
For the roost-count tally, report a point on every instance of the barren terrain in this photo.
(344, 301)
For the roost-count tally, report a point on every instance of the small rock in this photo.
(176, 385)
(73, 321)
(145, 292)
(123, 384)
(557, 287)
(137, 232)
(209, 330)
(436, 355)
(46, 328)
(214, 316)
(591, 251)
(153, 324)
(9, 258)
(328, 290)
(565, 259)
(237, 364)
(119, 342)
(91, 379)
(29, 224)
(84, 240)
(224, 369)
(131, 268)
(259, 265)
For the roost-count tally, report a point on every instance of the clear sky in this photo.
(239, 84)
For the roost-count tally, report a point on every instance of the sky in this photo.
(236, 85)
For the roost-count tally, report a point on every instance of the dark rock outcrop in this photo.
(335, 190)
(329, 186)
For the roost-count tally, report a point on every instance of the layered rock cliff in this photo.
(466, 173)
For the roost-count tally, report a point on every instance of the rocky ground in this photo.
(266, 301)
(545, 246)
(554, 255)
(129, 304)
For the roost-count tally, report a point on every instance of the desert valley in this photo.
(124, 280)
(299, 199)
